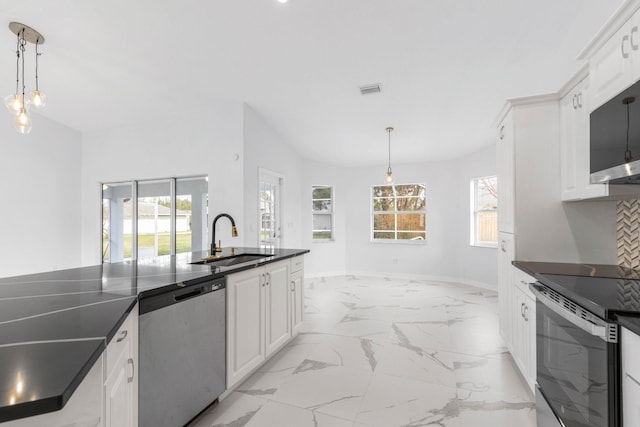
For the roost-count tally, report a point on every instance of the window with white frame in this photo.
(322, 212)
(142, 219)
(484, 211)
(398, 212)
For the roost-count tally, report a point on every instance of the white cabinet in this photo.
(523, 340)
(258, 317)
(297, 294)
(121, 384)
(630, 378)
(505, 282)
(616, 65)
(574, 146)
(506, 174)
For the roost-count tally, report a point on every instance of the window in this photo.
(322, 208)
(399, 212)
(142, 219)
(484, 214)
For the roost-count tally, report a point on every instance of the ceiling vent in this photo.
(368, 89)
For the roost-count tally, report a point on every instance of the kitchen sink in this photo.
(231, 260)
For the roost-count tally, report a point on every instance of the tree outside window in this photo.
(399, 212)
(484, 211)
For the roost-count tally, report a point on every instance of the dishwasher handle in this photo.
(187, 295)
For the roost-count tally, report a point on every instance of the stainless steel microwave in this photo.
(614, 145)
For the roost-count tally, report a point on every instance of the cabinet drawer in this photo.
(297, 263)
(120, 341)
(522, 281)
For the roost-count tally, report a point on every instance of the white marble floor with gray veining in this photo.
(377, 352)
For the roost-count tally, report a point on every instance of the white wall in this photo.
(329, 257)
(40, 187)
(475, 265)
(264, 148)
(207, 141)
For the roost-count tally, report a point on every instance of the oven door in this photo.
(576, 361)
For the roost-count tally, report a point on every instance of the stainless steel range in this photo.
(577, 364)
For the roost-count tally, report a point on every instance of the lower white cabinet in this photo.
(121, 383)
(523, 334)
(630, 379)
(506, 246)
(258, 317)
(297, 301)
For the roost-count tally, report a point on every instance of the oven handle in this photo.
(600, 331)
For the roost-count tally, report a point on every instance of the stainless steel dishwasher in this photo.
(182, 353)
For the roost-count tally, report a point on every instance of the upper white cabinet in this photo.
(574, 146)
(630, 378)
(506, 173)
(616, 65)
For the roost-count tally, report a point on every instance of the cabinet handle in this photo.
(634, 30)
(575, 101)
(501, 133)
(526, 308)
(123, 336)
(133, 370)
(625, 55)
(521, 309)
(502, 246)
(293, 286)
(268, 278)
(580, 100)
(264, 280)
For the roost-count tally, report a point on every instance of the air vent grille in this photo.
(369, 89)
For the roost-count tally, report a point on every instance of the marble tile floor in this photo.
(377, 352)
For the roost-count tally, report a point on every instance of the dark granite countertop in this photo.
(55, 325)
(607, 291)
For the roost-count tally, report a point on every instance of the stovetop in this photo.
(605, 290)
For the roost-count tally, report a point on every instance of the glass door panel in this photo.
(192, 200)
(155, 221)
(117, 214)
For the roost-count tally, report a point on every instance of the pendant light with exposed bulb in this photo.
(17, 103)
(389, 177)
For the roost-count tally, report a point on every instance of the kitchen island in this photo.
(54, 326)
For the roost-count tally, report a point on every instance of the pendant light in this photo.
(17, 103)
(389, 177)
(627, 153)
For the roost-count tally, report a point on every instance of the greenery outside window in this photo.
(399, 212)
(142, 219)
(484, 212)
(322, 212)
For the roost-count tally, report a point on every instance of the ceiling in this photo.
(445, 66)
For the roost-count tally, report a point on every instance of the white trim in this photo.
(613, 24)
(280, 216)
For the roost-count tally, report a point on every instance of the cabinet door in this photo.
(119, 392)
(245, 320)
(505, 287)
(506, 173)
(529, 346)
(610, 69)
(278, 326)
(574, 147)
(297, 301)
(630, 401)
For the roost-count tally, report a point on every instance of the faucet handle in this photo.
(219, 248)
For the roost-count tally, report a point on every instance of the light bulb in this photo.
(37, 99)
(23, 121)
(13, 103)
(389, 177)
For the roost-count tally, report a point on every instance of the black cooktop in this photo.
(605, 290)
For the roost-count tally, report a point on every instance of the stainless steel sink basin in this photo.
(231, 260)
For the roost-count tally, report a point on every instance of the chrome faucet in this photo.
(234, 232)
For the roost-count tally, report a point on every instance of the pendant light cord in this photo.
(17, 63)
(23, 42)
(37, 55)
(389, 132)
(627, 153)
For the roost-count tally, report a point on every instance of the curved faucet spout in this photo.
(234, 232)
